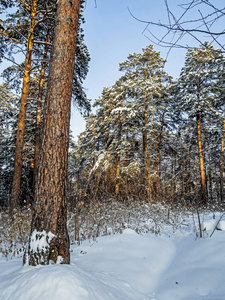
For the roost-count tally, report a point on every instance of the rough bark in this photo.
(15, 192)
(40, 105)
(50, 211)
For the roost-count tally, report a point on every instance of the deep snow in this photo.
(126, 266)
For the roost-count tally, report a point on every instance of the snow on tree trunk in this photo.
(49, 240)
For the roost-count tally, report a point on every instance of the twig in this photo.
(217, 224)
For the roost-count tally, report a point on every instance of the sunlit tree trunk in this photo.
(15, 193)
(200, 150)
(201, 160)
(145, 151)
(108, 171)
(50, 211)
(118, 154)
(222, 163)
(39, 105)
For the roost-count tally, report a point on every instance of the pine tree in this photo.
(147, 81)
(8, 114)
(15, 197)
(49, 219)
(199, 97)
(14, 30)
(126, 112)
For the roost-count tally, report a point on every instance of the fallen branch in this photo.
(217, 224)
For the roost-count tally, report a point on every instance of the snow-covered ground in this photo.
(126, 266)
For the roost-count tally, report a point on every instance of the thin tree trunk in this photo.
(118, 154)
(127, 152)
(77, 225)
(158, 156)
(50, 211)
(222, 163)
(15, 192)
(145, 151)
(108, 171)
(210, 180)
(200, 151)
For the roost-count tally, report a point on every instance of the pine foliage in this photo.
(112, 156)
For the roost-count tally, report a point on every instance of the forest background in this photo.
(150, 138)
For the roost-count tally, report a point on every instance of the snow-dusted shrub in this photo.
(14, 234)
(101, 218)
(105, 217)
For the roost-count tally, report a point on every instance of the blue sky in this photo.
(111, 33)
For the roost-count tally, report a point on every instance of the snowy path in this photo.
(125, 267)
(197, 270)
(137, 260)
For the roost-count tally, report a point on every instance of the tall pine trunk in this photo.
(15, 192)
(50, 211)
(40, 105)
(200, 149)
